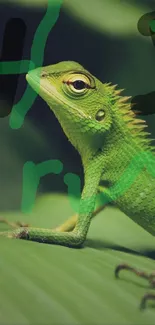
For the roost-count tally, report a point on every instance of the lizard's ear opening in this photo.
(100, 115)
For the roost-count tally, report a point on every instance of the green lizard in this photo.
(100, 124)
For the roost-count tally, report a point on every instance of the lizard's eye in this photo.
(77, 84)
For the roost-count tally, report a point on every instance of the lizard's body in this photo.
(112, 144)
(131, 186)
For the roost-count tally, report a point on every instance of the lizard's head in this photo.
(82, 104)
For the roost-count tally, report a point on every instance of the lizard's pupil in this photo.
(79, 84)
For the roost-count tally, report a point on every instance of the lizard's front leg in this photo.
(77, 236)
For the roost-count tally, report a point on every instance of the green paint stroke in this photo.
(32, 174)
(31, 177)
(20, 109)
(16, 67)
(138, 163)
(152, 25)
(74, 190)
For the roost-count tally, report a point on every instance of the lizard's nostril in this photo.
(43, 74)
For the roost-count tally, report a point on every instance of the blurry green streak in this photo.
(32, 173)
(16, 67)
(137, 164)
(74, 190)
(20, 109)
(31, 177)
(152, 25)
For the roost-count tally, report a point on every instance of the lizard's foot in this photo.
(149, 276)
(14, 224)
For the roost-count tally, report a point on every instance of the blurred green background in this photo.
(43, 284)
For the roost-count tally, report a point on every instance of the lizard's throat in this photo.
(80, 133)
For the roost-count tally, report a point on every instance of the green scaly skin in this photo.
(99, 123)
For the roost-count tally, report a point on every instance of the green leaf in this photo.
(113, 17)
(48, 284)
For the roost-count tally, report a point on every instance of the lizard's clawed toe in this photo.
(146, 297)
(150, 277)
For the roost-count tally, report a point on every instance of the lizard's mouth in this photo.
(47, 91)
